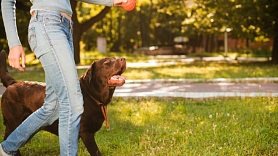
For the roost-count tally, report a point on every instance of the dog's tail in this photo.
(5, 77)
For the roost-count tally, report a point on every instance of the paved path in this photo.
(196, 90)
(192, 90)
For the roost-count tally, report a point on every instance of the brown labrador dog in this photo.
(97, 84)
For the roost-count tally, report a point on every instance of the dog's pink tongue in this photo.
(116, 80)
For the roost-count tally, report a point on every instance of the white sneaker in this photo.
(2, 152)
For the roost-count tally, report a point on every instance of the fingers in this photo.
(23, 58)
(15, 56)
(119, 2)
(15, 63)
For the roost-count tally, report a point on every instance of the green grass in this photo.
(88, 57)
(197, 70)
(179, 126)
(204, 70)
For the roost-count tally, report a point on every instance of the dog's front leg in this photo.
(90, 143)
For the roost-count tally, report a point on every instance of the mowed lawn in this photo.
(179, 126)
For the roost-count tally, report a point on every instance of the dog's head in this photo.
(105, 73)
(108, 71)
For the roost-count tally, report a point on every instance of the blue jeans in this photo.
(50, 37)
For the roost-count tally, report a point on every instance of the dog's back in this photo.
(5, 77)
(14, 106)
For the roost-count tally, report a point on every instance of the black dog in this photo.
(98, 85)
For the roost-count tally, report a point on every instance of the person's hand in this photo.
(119, 2)
(16, 54)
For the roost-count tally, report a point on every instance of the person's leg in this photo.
(51, 39)
(44, 116)
(61, 73)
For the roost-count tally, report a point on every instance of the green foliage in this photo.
(158, 22)
(247, 18)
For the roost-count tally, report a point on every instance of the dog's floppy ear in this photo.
(5, 77)
(91, 72)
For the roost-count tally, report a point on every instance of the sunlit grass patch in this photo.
(180, 70)
(203, 70)
(134, 74)
(180, 126)
(89, 57)
(143, 113)
(220, 126)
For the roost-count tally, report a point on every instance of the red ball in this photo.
(129, 5)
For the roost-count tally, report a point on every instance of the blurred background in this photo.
(170, 27)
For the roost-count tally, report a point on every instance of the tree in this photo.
(157, 22)
(79, 28)
(268, 23)
(256, 19)
(249, 19)
(23, 16)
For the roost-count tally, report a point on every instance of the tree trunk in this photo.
(76, 33)
(275, 45)
(204, 43)
(275, 50)
(76, 42)
(80, 28)
(215, 43)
